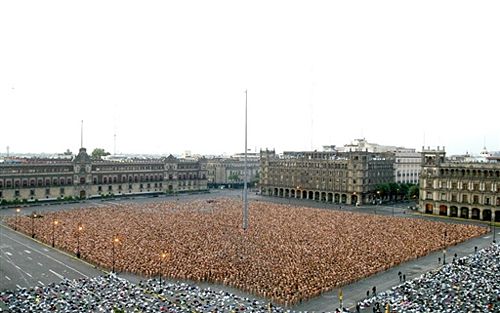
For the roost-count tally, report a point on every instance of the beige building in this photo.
(328, 176)
(231, 171)
(407, 161)
(468, 190)
(81, 177)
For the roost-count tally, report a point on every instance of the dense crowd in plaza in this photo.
(288, 254)
(469, 284)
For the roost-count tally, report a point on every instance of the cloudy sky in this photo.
(170, 76)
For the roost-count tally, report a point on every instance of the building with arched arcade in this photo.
(83, 177)
(327, 176)
(468, 190)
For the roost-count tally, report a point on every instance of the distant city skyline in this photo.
(168, 77)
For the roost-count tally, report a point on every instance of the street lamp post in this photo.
(494, 228)
(163, 256)
(54, 224)
(17, 218)
(444, 249)
(33, 216)
(115, 241)
(80, 228)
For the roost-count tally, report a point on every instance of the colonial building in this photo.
(231, 171)
(407, 161)
(328, 176)
(83, 177)
(459, 189)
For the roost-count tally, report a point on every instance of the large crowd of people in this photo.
(469, 284)
(288, 254)
(110, 293)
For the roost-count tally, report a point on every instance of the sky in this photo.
(170, 76)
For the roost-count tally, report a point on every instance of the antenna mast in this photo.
(245, 190)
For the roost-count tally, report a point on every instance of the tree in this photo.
(234, 177)
(98, 153)
(413, 192)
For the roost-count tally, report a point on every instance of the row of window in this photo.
(465, 199)
(62, 181)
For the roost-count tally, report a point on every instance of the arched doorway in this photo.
(82, 194)
(311, 195)
(330, 197)
(275, 192)
(281, 192)
(475, 214)
(354, 199)
(316, 196)
(464, 212)
(486, 215)
(337, 198)
(292, 193)
(428, 208)
(287, 193)
(443, 210)
(453, 211)
(323, 196)
(497, 216)
(304, 194)
(344, 198)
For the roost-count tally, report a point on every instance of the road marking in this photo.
(47, 256)
(487, 237)
(39, 263)
(18, 287)
(41, 283)
(45, 249)
(17, 267)
(29, 274)
(8, 253)
(27, 251)
(7, 277)
(58, 275)
(30, 258)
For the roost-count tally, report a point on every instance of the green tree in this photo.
(234, 177)
(413, 192)
(98, 153)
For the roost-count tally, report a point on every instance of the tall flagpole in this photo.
(245, 191)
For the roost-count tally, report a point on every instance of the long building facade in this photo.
(82, 177)
(231, 171)
(469, 190)
(327, 176)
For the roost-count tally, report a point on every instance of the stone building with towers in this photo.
(326, 176)
(82, 177)
(469, 190)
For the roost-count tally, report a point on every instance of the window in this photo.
(119, 187)
(464, 199)
(1, 194)
(47, 191)
(32, 192)
(429, 196)
(16, 193)
(443, 196)
(99, 188)
(476, 199)
(129, 186)
(61, 191)
(487, 200)
(453, 197)
(110, 188)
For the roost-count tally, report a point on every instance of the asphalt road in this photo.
(25, 262)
